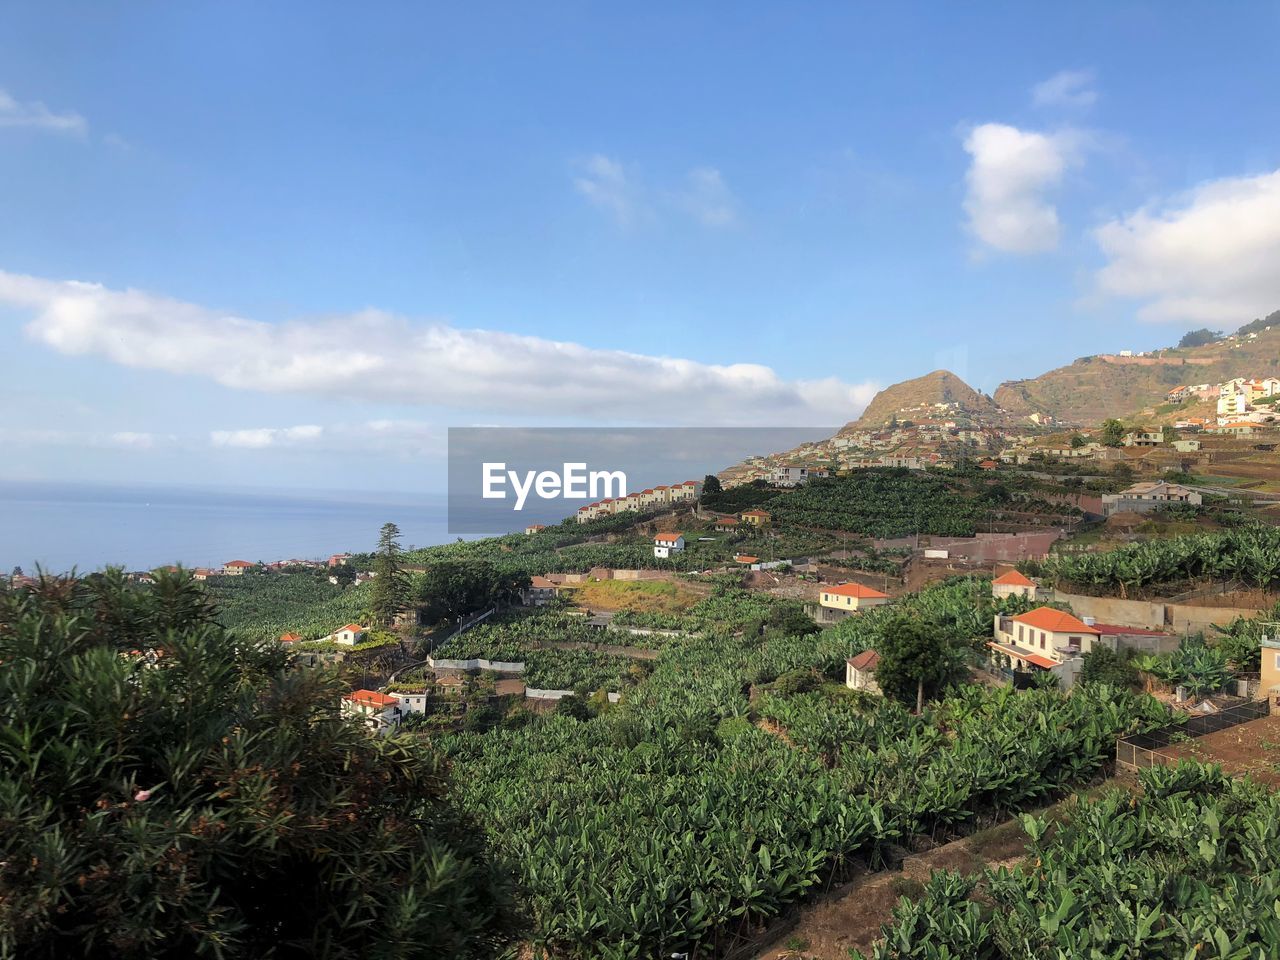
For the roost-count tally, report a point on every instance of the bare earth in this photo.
(1251, 749)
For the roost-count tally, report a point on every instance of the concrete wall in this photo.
(1128, 613)
(533, 694)
(497, 666)
(1175, 617)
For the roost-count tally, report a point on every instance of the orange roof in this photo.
(743, 558)
(236, 563)
(371, 698)
(540, 582)
(1055, 621)
(289, 638)
(353, 627)
(1013, 579)
(754, 513)
(1032, 658)
(726, 520)
(854, 590)
(668, 537)
(866, 660)
(663, 487)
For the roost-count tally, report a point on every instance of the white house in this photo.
(540, 591)
(1013, 584)
(1147, 496)
(792, 475)
(665, 544)
(378, 710)
(349, 635)
(1043, 637)
(235, 568)
(860, 671)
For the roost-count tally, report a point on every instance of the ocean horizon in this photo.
(60, 526)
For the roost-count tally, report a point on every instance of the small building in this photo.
(1143, 438)
(793, 475)
(338, 559)
(836, 603)
(1013, 584)
(540, 591)
(746, 559)
(1147, 496)
(235, 568)
(290, 638)
(726, 524)
(534, 528)
(860, 671)
(349, 635)
(755, 518)
(376, 709)
(665, 544)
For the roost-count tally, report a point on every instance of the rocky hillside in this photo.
(1094, 388)
(912, 398)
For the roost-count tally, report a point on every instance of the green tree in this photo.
(391, 585)
(1113, 432)
(344, 573)
(711, 485)
(1168, 434)
(1078, 440)
(1198, 338)
(170, 791)
(452, 588)
(1104, 665)
(917, 660)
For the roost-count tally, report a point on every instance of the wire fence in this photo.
(1145, 749)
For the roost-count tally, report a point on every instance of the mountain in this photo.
(914, 398)
(1091, 389)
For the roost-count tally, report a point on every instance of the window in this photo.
(1278, 661)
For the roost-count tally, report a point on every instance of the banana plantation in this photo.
(1250, 555)
(688, 816)
(1185, 870)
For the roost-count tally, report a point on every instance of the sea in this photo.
(61, 526)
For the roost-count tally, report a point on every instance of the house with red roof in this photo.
(376, 709)
(665, 544)
(1013, 584)
(290, 638)
(836, 603)
(349, 635)
(540, 591)
(860, 671)
(234, 568)
(726, 524)
(1043, 639)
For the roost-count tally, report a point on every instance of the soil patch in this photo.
(1247, 749)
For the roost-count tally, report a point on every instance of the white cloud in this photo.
(1068, 88)
(36, 115)
(129, 438)
(378, 357)
(1011, 172)
(262, 437)
(612, 187)
(607, 185)
(707, 198)
(1210, 256)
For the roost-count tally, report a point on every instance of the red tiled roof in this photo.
(353, 627)
(754, 513)
(854, 590)
(668, 537)
(743, 558)
(1013, 579)
(238, 563)
(1055, 621)
(371, 698)
(723, 521)
(866, 660)
(289, 638)
(540, 582)
(1012, 651)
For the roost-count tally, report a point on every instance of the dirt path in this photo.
(851, 917)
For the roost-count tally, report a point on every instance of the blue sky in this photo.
(288, 245)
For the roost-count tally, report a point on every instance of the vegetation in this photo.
(1199, 668)
(1185, 870)
(1199, 338)
(916, 660)
(262, 606)
(1249, 554)
(451, 588)
(169, 790)
(390, 593)
(1104, 665)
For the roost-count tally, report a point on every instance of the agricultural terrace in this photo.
(1185, 869)
(262, 606)
(1250, 555)
(699, 824)
(641, 596)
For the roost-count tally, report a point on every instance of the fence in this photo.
(1144, 749)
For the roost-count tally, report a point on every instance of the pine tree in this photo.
(391, 585)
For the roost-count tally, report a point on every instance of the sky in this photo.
(289, 245)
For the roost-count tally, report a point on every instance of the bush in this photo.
(1104, 665)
